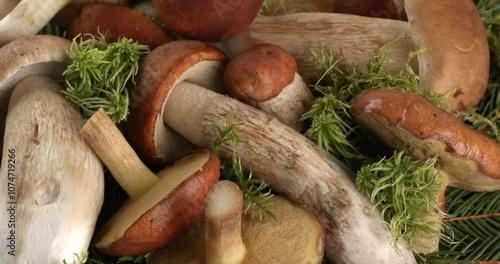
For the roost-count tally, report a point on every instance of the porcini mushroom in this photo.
(114, 21)
(154, 142)
(211, 20)
(465, 158)
(28, 17)
(265, 76)
(456, 60)
(283, 157)
(294, 236)
(53, 188)
(162, 206)
(40, 54)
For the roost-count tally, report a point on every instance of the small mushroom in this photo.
(154, 142)
(282, 156)
(210, 20)
(28, 17)
(265, 76)
(162, 206)
(115, 22)
(40, 54)
(53, 185)
(457, 58)
(294, 236)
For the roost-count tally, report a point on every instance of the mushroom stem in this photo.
(123, 163)
(223, 242)
(295, 166)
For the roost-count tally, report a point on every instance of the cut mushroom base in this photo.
(286, 159)
(161, 208)
(294, 236)
(55, 180)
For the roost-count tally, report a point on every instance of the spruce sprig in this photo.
(256, 192)
(99, 72)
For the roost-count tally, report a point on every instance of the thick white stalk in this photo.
(294, 166)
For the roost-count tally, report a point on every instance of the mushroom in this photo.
(211, 20)
(114, 21)
(281, 156)
(265, 77)
(7, 6)
(465, 158)
(154, 142)
(294, 236)
(456, 60)
(40, 54)
(53, 188)
(391, 9)
(356, 37)
(28, 17)
(162, 206)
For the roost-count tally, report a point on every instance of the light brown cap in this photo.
(408, 122)
(456, 59)
(159, 72)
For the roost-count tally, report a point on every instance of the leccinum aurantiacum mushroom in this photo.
(53, 188)
(286, 159)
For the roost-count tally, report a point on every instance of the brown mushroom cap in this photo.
(188, 60)
(115, 21)
(457, 54)
(210, 20)
(166, 211)
(40, 54)
(295, 237)
(408, 122)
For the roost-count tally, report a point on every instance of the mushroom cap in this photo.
(210, 20)
(166, 211)
(391, 9)
(408, 122)
(457, 57)
(39, 54)
(259, 73)
(159, 72)
(115, 21)
(295, 237)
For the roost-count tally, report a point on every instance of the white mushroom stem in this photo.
(223, 242)
(294, 166)
(123, 163)
(29, 16)
(357, 37)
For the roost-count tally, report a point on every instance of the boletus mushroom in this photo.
(114, 21)
(53, 186)
(293, 236)
(162, 206)
(465, 158)
(456, 60)
(28, 17)
(210, 20)
(265, 76)
(281, 156)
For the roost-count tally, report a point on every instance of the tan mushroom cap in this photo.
(457, 54)
(40, 54)
(159, 72)
(166, 211)
(408, 122)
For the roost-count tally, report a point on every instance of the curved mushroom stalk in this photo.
(28, 17)
(358, 38)
(162, 206)
(53, 188)
(291, 163)
(293, 236)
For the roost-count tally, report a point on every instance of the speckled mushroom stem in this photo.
(294, 166)
(112, 148)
